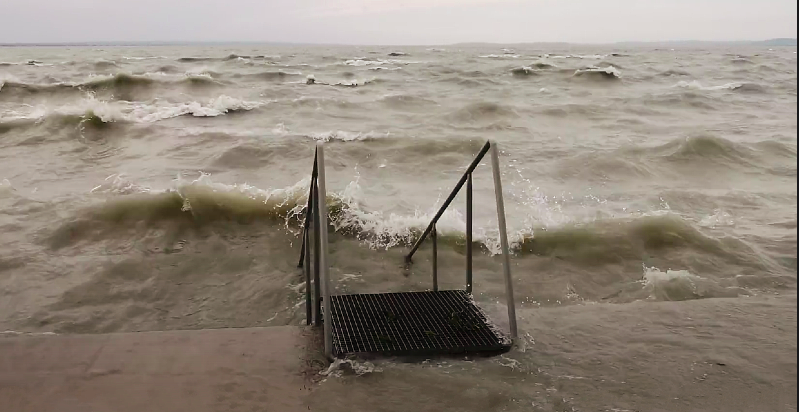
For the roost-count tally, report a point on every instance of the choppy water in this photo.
(158, 188)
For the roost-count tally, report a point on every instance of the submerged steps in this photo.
(412, 324)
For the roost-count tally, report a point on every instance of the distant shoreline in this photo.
(778, 42)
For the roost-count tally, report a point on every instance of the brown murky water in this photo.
(651, 197)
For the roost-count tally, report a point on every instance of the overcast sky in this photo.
(395, 21)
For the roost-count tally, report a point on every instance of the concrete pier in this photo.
(254, 369)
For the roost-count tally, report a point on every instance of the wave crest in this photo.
(674, 73)
(604, 74)
(525, 71)
(97, 112)
(121, 83)
(738, 87)
(203, 202)
(483, 111)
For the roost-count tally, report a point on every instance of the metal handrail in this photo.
(466, 175)
(319, 286)
(309, 208)
(431, 231)
(312, 314)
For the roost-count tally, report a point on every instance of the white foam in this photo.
(139, 112)
(359, 62)
(717, 219)
(698, 86)
(16, 333)
(281, 195)
(654, 276)
(144, 58)
(6, 187)
(383, 231)
(119, 184)
(201, 71)
(593, 69)
(280, 129)
(345, 136)
(8, 78)
(675, 284)
(353, 83)
(576, 56)
(511, 363)
(500, 56)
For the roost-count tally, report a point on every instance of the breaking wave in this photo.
(344, 136)
(703, 148)
(738, 87)
(631, 239)
(525, 71)
(543, 65)
(97, 112)
(230, 57)
(122, 80)
(577, 56)
(203, 202)
(122, 83)
(681, 285)
(604, 74)
(360, 62)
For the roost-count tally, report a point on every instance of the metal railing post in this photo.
(307, 269)
(434, 236)
(469, 234)
(317, 297)
(503, 238)
(302, 248)
(323, 264)
(308, 213)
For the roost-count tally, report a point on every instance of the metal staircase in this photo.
(407, 323)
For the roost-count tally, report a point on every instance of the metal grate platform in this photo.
(412, 323)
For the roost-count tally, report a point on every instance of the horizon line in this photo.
(283, 43)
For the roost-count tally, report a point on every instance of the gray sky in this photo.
(395, 21)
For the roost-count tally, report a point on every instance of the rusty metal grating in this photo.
(412, 323)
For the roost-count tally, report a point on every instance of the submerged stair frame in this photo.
(407, 323)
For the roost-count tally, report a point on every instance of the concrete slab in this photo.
(258, 369)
